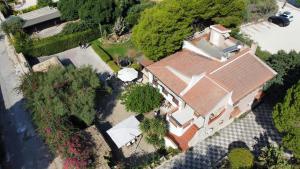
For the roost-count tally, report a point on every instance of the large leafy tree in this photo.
(63, 92)
(141, 98)
(154, 130)
(162, 29)
(135, 11)
(286, 116)
(53, 97)
(287, 65)
(69, 8)
(99, 11)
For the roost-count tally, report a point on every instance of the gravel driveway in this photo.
(274, 38)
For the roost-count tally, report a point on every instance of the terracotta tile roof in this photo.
(145, 62)
(243, 75)
(182, 141)
(220, 28)
(210, 92)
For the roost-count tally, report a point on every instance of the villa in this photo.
(210, 82)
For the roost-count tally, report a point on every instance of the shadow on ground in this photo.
(22, 145)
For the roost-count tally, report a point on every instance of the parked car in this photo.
(288, 15)
(279, 20)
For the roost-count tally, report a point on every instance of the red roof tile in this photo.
(182, 141)
(241, 74)
(210, 92)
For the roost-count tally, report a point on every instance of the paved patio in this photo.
(81, 57)
(254, 130)
(273, 38)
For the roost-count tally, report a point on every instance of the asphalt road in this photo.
(24, 148)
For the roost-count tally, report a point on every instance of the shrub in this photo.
(136, 66)
(29, 9)
(113, 66)
(104, 56)
(59, 43)
(141, 98)
(240, 158)
(155, 130)
(3, 8)
(273, 157)
(79, 152)
(13, 24)
(262, 54)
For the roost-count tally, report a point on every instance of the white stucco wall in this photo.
(170, 143)
(246, 103)
(178, 131)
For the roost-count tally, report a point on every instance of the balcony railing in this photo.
(216, 117)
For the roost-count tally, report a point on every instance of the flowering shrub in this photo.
(79, 152)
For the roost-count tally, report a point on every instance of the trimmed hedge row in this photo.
(104, 56)
(113, 66)
(59, 43)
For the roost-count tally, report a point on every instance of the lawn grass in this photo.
(109, 53)
(119, 49)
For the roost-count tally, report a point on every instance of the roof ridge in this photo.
(216, 83)
(228, 63)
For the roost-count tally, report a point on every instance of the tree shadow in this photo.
(261, 141)
(206, 160)
(23, 146)
(237, 144)
(263, 117)
(106, 101)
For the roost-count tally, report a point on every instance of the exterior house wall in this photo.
(245, 104)
(170, 143)
(169, 97)
(177, 130)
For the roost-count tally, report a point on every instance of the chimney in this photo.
(218, 35)
(253, 48)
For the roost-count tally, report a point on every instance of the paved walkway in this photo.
(254, 131)
(24, 149)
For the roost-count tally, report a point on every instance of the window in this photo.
(175, 101)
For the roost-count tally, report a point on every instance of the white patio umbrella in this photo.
(127, 74)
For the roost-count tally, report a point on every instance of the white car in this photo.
(288, 15)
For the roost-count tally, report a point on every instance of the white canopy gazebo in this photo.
(127, 74)
(125, 131)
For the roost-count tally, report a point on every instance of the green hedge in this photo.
(59, 43)
(113, 66)
(104, 56)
